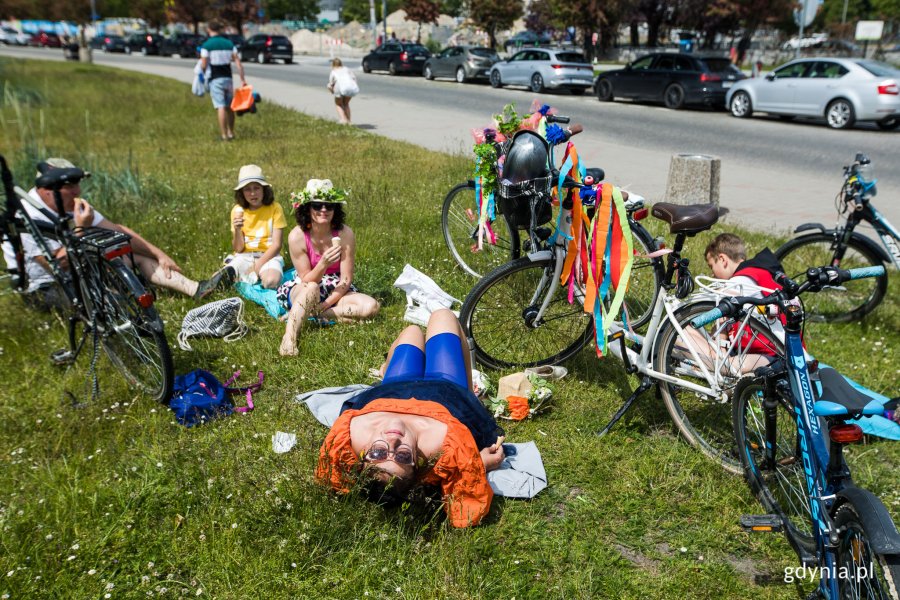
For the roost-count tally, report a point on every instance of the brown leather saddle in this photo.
(688, 219)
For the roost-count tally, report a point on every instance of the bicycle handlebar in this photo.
(816, 278)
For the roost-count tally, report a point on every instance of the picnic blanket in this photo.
(521, 475)
(265, 298)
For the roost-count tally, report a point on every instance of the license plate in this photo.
(727, 84)
(418, 58)
(282, 47)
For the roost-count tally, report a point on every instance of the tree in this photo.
(454, 8)
(655, 12)
(592, 16)
(358, 10)
(152, 11)
(189, 11)
(235, 12)
(540, 16)
(494, 15)
(421, 11)
(301, 10)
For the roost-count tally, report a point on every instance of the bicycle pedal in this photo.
(62, 357)
(761, 523)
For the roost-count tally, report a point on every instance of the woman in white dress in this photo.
(342, 83)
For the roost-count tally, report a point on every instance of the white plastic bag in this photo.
(222, 318)
(423, 295)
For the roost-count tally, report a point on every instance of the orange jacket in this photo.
(459, 470)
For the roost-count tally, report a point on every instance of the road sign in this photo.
(808, 8)
(869, 30)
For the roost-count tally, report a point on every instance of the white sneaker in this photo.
(548, 372)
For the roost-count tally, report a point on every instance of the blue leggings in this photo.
(442, 360)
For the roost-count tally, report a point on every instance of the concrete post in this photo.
(693, 179)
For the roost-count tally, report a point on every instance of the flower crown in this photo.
(319, 190)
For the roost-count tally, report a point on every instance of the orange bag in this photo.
(243, 99)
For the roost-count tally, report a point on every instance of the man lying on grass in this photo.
(423, 426)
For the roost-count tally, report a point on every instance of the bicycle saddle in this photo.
(839, 398)
(686, 218)
(54, 178)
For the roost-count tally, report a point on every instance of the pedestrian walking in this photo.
(218, 53)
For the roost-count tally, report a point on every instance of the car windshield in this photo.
(720, 65)
(482, 52)
(571, 57)
(878, 68)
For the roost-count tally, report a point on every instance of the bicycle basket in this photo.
(222, 318)
(526, 181)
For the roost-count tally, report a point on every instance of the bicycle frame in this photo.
(890, 236)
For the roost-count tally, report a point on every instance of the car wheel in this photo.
(365, 67)
(392, 68)
(674, 96)
(577, 91)
(604, 90)
(428, 74)
(537, 83)
(288, 61)
(840, 114)
(495, 79)
(261, 58)
(460, 75)
(740, 106)
(888, 124)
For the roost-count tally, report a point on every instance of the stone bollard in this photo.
(693, 179)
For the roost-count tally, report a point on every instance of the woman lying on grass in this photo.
(422, 426)
(323, 251)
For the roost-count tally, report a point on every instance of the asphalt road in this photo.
(775, 174)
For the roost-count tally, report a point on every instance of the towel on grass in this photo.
(265, 298)
(521, 475)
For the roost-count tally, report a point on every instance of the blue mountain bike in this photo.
(790, 424)
(844, 247)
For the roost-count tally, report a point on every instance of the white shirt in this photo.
(37, 275)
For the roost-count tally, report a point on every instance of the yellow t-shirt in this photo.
(259, 225)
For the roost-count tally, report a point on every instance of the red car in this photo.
(45, 39)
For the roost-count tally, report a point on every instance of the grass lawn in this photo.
(116, 499)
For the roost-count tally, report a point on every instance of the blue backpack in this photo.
(198, 397)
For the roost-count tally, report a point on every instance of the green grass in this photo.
(115, 497)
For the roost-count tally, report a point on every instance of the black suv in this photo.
(671, 78)
(264, 48)
(185, 45)
(145, 43)
(396, 57)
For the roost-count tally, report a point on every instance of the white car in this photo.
(543, 68)
(840, 90)
(11, 37)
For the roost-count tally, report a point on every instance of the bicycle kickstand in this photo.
(646, 384)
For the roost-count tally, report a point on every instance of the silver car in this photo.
(541, 68)
(842, 90)
(463, 63)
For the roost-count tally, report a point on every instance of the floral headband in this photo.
(319, 190)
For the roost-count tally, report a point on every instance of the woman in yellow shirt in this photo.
(257, 230)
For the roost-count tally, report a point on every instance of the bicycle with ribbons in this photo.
(791, 421)
(105, 301)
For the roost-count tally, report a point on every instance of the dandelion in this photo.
(159, 465)
(92, 572)
(71, 557)
(110, 585)
(397, 589)
(107, 595)
(151, 564)
(48, 537)
(199, 591)
(234, 525)
(293, 565)
(683, 549)
(75, 546)
(11, 573)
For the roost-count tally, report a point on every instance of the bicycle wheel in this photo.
(705, 421)
(868, 574)
(781, 490)
(646, 279)
(849, 301)
(459, 222)
(133, 335)
(499, 315)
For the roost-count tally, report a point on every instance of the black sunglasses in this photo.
(321, 206)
